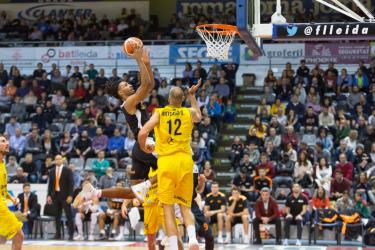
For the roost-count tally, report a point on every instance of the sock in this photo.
(191, 232)
(148, 184)
(113, 231)
(122, 228)
(228, 236)
(102, 231)
(220, 234)
(173, 243)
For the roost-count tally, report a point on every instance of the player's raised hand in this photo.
(146, 56)
(138, 53)
(193, 89)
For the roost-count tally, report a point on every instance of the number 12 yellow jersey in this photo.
(173, 134)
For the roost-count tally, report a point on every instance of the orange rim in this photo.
(217, 28)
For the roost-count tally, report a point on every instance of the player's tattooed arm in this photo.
(195, 110)
(146, 80)
(145, 131)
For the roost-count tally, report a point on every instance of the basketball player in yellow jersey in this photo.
(10, 226)
(173, 127)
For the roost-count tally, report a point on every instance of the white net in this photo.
(218, 40)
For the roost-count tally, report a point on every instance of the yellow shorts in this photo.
(9, 224)
(175, 179)
(153, 218)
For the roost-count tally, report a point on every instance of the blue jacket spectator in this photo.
(116, 142)
(361, 81)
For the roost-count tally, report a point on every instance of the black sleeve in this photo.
(70, 183)
(49, 183)
(288, 203)
(305, 201)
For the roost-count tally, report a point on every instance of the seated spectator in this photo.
(272, 152)
(107, 180)
(47, 165)
(214, 110)
(343, 149)
(82, 146)
(277, 107)
(100, 165)
(326, 118)
(266, 165)
(116, 143)
(263, 104)
(290, 152)
(244, 183)
(320, 200)
(230, 112)
(290, 137)
(112, 215)
(40, 118)
(261, 181)
(88, 211)
(129, 142)
(303, 171)
(49, 145)
(222, 88)
(266, 212)
(236, 153)
(339, 185)
(248, 165)
(296, 106)
(342, 130)
(237, 212)
(66, 145)
(18, 109)
(269, 95)
(361, 81)
(29, 168)
(209, 133)
(252, 137)
(100, 141)
(346, 167)
(214, 209)
(284, 172)
(324, 139)
(11, 166)
(351, 140)
(362, 186)
(344, 204)
(29, 207)
(321, 153)
(276, 125)
(17, 143)
(208, 172)
(295, 210)
(292, 120)
(323, 174)
(310, 121)
(361, 160)
(11, 126)
(273, 137)
(19, 177)
(360, 205)
(261, 128)
(91, 127)
(253, 153)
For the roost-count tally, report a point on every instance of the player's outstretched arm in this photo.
(195, 110)
(145, 131)
(147, 81)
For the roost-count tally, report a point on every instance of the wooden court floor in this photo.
(85, 245)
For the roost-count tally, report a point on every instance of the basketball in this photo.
(131, 44)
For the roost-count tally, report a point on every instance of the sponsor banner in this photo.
(181, 54)
(324, 31)
(345, 53)
(274, 54)
(33, 11)
(206, 6)
(267, 7)
(78, 56)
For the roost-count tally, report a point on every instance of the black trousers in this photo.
(60, 204)
(290, 221)
(258, 221)
(202, 227)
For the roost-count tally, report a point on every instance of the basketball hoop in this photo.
(218, 38)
